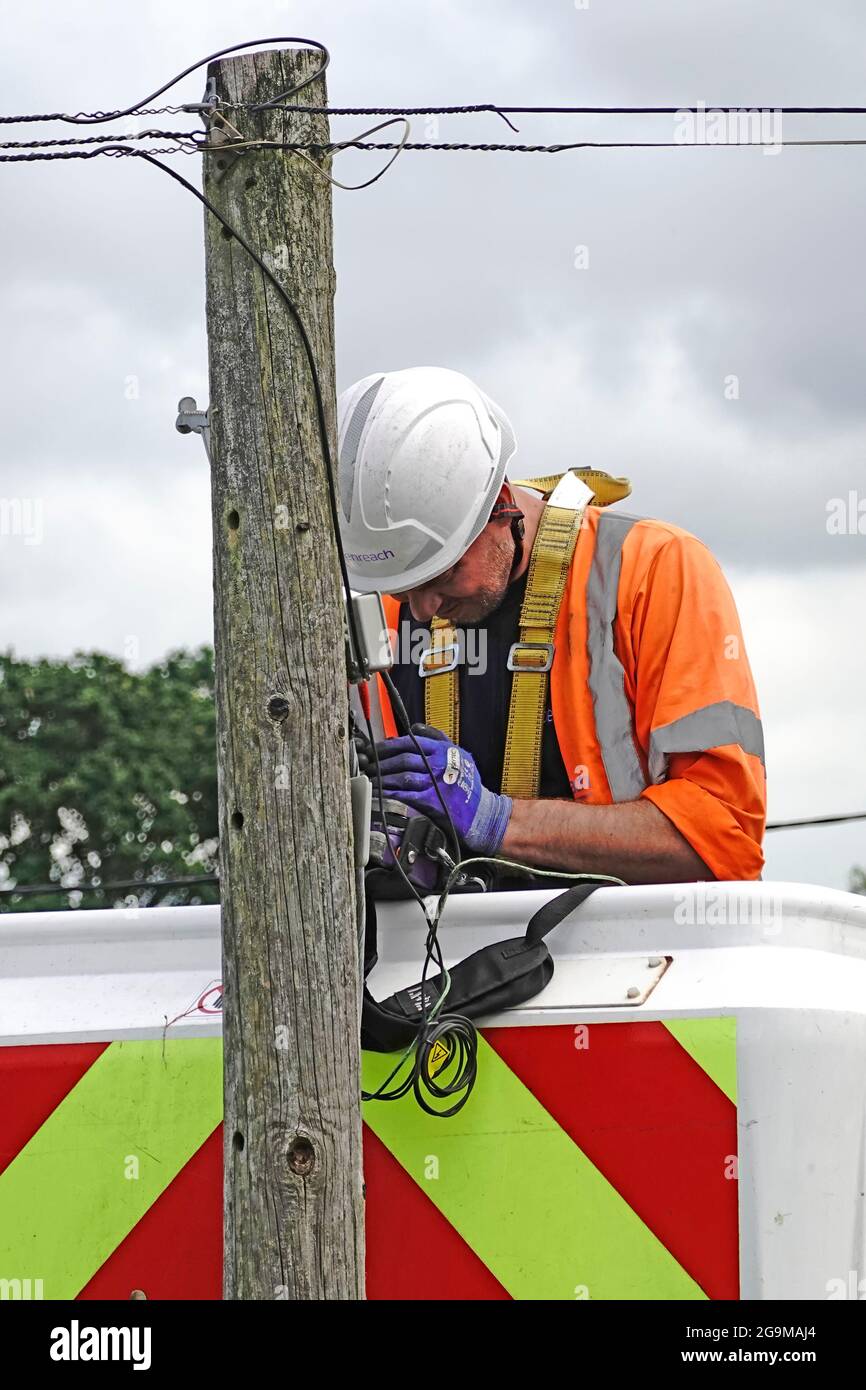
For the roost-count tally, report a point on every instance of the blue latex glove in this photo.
(480, 816)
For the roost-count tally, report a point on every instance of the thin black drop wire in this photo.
(311, 363)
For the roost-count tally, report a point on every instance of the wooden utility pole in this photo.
(293, 1193)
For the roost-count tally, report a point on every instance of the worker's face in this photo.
(474, 587)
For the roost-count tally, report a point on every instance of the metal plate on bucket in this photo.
(605, 982)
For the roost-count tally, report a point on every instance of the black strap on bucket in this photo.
(496, 977)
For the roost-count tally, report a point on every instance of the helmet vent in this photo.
(352, 439)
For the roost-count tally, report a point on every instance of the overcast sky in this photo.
(704, 264)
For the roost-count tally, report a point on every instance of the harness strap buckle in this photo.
(426, 666)
(532, 666)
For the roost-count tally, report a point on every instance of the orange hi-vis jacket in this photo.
(651, 690)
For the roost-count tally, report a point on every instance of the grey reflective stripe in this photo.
(613, 716)
(710, 727)
(351, 440)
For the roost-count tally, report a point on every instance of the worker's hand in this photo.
(480, 816)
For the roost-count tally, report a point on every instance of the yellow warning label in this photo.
(439, 1055)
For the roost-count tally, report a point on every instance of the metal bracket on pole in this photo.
(191, 420)
(208, 102)
(220, 131)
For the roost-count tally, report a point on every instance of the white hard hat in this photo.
(422, 458)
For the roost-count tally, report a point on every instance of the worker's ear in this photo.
(505, 508)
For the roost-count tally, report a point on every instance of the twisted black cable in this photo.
(112, 151)
(37, 155)
(77, 140)
(97, 117)
(504, 111)
(487, 148)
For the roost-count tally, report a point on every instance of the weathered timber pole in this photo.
(293, 1194)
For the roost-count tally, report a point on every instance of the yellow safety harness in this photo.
(531, 656)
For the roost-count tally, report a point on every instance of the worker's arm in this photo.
(633, 840)
(696, 726)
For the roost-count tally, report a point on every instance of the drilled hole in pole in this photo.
(233, 520)
(237, 1141)
(237, 820)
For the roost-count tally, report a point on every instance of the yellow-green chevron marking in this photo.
(102, 1158)
(522, 1194)
(712, 1043)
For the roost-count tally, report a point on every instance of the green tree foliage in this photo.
(857, 881)
(106, 774)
